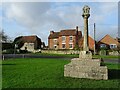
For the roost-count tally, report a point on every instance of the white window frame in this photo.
(31, 44)
(70, 37)
(114, 46)
(70, 47)
(55, 41)
(102, 45)
(62, 45)
(63, 37)
(55, 46)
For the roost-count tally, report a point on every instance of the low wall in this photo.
(76, 52)
(116, 53)
(60, 51)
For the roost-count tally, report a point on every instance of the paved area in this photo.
(7, 56)
(112, 60)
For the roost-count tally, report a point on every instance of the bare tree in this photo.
(4, 37)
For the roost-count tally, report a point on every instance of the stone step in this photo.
(72, 70)
(77, 68)
(86, 62)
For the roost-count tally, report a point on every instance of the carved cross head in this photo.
(86, 10)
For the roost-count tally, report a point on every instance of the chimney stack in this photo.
(51, 32)
(77, 28)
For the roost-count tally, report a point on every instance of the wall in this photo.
(51, 43)
(116, 53)
(60, 51)
(28, 46)
(67, 41)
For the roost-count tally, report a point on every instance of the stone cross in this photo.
(86, 15)
(85, 66)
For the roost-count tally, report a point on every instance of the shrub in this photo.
(23, 51)
(6, 46)
(76, 47)
(9, 51)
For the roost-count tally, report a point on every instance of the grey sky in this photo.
(39, 18)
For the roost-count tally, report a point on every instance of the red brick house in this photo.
(65, 39)
(108, 42)
(29, 43)
(91, 43)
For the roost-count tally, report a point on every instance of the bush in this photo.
(76, 47)
(23, 51)
(9, 51)
(6, 46)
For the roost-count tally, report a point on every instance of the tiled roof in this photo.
(90, 42)
(29, 39)
(107, 39)
(54, 35)
(69, 32)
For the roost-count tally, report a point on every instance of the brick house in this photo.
(29, 43)
(108, 42)
(91, 43)
(65, 39)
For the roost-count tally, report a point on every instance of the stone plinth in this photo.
(85, 55)
(86, 68)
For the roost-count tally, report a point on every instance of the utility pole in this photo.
(15, 46)
(94, 41)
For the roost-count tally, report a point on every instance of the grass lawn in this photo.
(46, 73)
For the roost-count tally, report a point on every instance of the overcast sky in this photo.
(39, 18)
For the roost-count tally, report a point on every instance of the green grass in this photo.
(46, 73)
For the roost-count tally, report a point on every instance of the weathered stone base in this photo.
(85, 55)
(87, 68)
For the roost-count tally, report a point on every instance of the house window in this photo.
(102, 45)
(70, 38)
(31, 44)
(63, 45)
(63, 38)
(70, 46)
(25, 48)
(55, 40)
(55, 46)
(113, 46)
